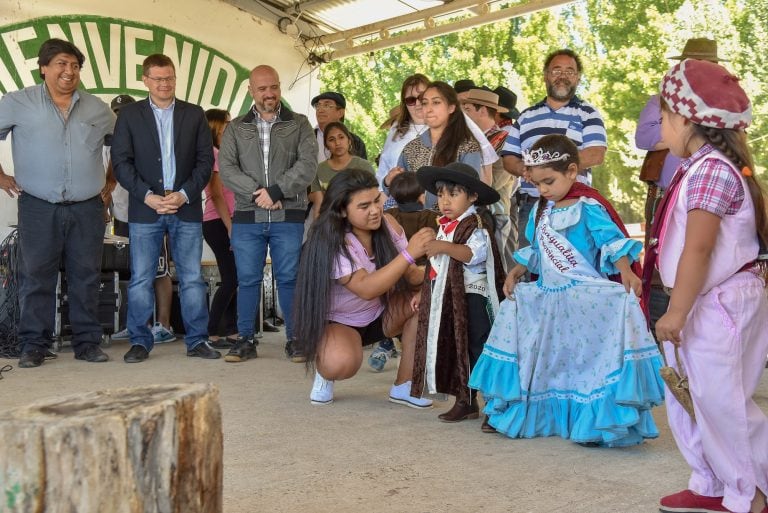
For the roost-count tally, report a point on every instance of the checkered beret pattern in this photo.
(707, 94)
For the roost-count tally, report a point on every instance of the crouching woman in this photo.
(354, 286)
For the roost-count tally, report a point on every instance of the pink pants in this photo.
(725, 343)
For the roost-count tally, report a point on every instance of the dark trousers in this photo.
(657, 306)
(222, 319)
(50, 235)
(524, 204)
(478, 326)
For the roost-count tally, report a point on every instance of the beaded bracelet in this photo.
(408, 257)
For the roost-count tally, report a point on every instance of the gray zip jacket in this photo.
(292, 166)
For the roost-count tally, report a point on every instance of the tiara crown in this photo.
(540, 157)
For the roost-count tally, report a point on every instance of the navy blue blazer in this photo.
(138, 167)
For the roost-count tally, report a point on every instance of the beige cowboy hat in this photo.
(700, 48)
(394, 113)
(483, 97)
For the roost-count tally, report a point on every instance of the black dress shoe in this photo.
(204, 350)
(293, 353)
(244, 348)
(92, 353)
(268, 327)
(136, 354)
(223, 342)
(31, 358)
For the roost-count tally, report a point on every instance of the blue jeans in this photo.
(187, 249)
(250, 242)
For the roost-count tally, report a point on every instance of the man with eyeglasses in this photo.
(329, 107)
(59, 132)
(162, 153)
(561, 112)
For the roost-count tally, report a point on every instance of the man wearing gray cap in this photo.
(329, 107)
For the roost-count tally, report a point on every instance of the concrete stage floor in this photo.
(365, 454)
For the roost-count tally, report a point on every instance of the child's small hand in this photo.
(509, 285)
(512, 278)
(415, 302)
(669, 326)
(417, 243)
(632, 282)
(434, 248)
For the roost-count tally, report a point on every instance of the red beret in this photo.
(707, 94)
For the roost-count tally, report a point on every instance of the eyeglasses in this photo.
(568, 73)
(325, 106)
(411, 100)
(162, 80)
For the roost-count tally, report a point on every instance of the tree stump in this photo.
(132, 450)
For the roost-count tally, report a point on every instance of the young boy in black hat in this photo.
(462, 286)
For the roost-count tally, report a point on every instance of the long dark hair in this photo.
(456, 131)
(326, 242)
(555, 143)
(218, 119)
(404, 119)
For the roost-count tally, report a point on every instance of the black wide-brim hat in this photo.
(460, 173)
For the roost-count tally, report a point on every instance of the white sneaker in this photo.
(161, 334)
(121, 335)
(322, 391)
(401, 394)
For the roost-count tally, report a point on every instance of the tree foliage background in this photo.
(624, 45)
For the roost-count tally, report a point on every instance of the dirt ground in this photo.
(365, 454)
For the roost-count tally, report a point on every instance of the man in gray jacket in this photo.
(267, 157)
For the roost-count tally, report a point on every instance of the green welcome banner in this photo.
(114, 50)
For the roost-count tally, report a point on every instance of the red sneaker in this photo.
(688, 502)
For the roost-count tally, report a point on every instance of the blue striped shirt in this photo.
(577, 120)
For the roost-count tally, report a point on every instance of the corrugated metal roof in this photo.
(340, 28)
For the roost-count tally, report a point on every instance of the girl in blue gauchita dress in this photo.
(570, 354)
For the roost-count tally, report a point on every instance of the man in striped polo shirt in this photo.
(561, 112)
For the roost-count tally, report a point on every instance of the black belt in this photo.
(68, 203)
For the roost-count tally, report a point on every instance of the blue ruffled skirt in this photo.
(577, 362)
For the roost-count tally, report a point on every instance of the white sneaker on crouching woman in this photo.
(322, 391)
(401, 394)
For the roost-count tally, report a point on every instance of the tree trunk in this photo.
(132, 450)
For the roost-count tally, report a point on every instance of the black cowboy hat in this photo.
(460, 173)
(509, 100)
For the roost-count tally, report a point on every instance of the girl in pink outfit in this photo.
(710, 228)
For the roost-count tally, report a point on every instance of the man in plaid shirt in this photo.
(268, 158)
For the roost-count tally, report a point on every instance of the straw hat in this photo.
(483, 97)
(394, 113)
(700, 48)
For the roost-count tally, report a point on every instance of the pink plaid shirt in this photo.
(715, 187)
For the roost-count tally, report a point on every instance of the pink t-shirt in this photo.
(346, 306)
(210, 213)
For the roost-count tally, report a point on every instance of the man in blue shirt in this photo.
(58, 136)
(561, 112)
(162, 153)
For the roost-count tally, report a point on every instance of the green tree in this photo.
(625, 47)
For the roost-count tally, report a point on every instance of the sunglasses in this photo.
(411, 100)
